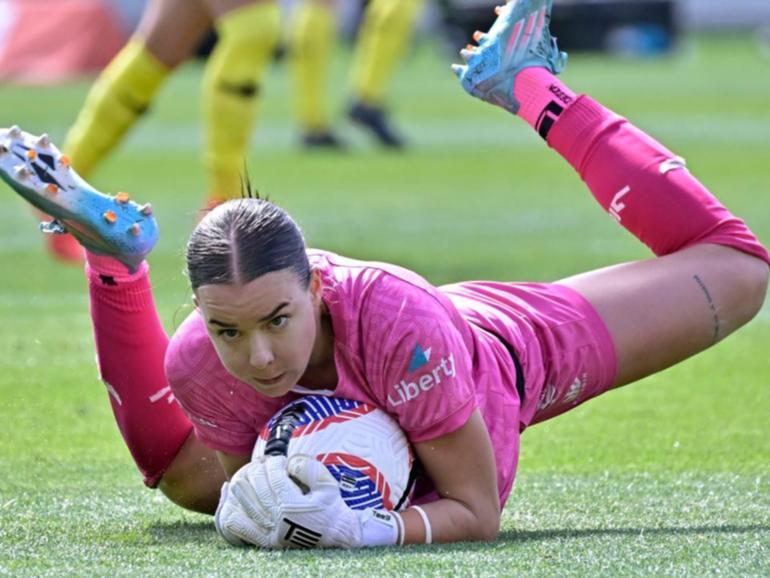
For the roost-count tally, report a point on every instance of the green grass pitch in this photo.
(670, 476)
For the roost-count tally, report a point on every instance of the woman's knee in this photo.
(171, 30)
(751, 286)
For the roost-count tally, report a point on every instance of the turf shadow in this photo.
(537, 535)
(183, 532)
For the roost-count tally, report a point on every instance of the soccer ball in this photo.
(361, 445)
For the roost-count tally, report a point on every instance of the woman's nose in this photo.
(260, 354)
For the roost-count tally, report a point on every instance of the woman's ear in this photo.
(316, 287)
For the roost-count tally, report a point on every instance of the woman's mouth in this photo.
(271, 380)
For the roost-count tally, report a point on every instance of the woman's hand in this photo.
(275, 504)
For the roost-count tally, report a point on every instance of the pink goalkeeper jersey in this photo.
(428, 356)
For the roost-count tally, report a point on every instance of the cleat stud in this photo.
(122, 198)
(43, 140)
(14, 131)
(22, 172)
(478, 35)
(135, 229)
(110, 217)
(146, 209)
(51, 188)
(31, 154)
(3, 149)
(498, 10)
(470, 47)
(64, 161)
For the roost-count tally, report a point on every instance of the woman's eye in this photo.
(228, 334)
(279, 321)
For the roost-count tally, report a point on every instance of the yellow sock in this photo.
(382, 39)
(247, 39)
(311, 42)
(117, 99)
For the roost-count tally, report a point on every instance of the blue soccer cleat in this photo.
(113, 226)
(518, 39)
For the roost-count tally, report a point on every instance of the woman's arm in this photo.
(196, 475)
(462, 468)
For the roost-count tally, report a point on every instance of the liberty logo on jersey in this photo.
(408, 390)
(420, 358)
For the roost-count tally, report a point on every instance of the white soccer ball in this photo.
(362, 446)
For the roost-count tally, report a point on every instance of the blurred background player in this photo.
(168, 34)
(380, 44)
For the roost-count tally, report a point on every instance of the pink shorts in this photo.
(578, 356)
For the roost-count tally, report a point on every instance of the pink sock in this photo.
(643, 185)
(131, 346)
(542, 97)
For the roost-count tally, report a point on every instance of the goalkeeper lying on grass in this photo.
(273, 319)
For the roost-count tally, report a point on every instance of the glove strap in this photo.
(381, 528)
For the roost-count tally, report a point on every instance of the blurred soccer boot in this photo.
(105, 225)
(375, 120)
(322, 140)
(518, 39)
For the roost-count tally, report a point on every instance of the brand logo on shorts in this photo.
(548, 398)
(575, 389)
(408, 390)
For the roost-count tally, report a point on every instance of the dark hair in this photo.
(243, 239)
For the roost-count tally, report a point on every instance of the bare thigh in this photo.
(173, 29)
(667, 309)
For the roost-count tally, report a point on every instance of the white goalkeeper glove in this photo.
(276, 504)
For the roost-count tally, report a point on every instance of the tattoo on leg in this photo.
(712, 306)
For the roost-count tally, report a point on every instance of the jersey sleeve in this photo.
(421, 363)
(215, 425)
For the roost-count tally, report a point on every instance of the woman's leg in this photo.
(711, 273)
(312, 38)
(381, 42)
(248, 33)
(130, 340)
(131, 348)
(710, 276)
(167, 34)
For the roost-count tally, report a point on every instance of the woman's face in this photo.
(265, 332)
